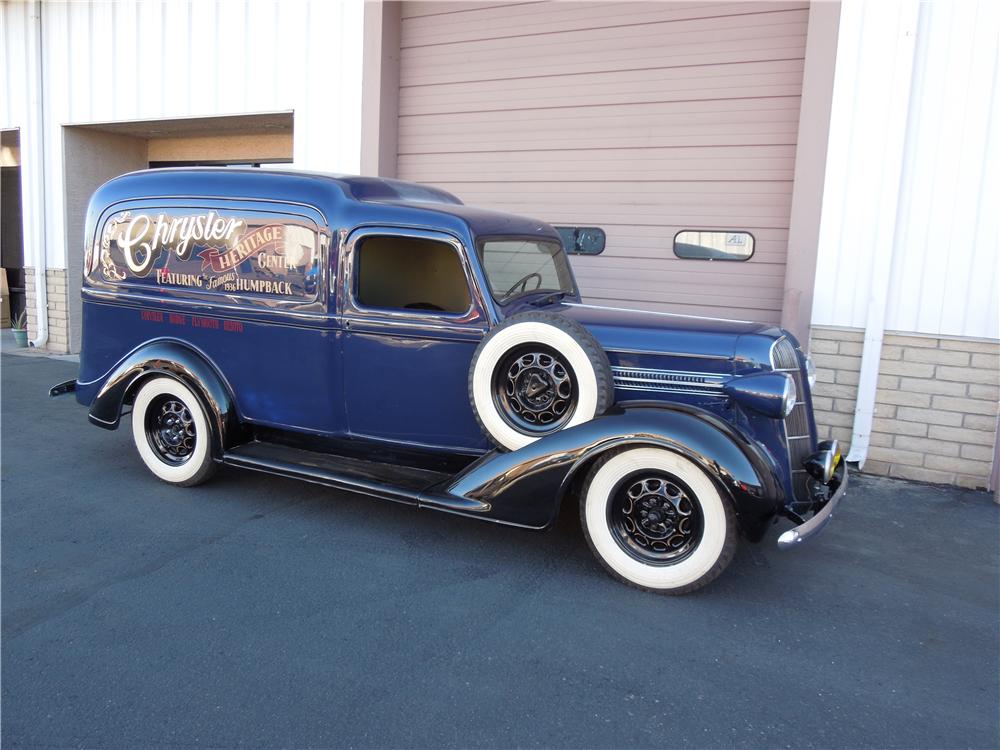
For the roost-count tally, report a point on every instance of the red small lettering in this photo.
(177, 320)
(156, 317)
(232, 325)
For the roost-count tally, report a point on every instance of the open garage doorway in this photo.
(94, 153)
(11, 228)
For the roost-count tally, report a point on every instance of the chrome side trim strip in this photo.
(662, 389)
(352, 323)
(655, 312)
(689, 355)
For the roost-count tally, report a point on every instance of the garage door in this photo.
(641, 118)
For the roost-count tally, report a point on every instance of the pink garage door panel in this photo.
(641, 118)
(730, 122)
(506, 20)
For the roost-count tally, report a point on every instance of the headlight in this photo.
(810, 371)
(789, 397)
(772, 394)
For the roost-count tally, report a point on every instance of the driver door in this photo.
(412, 318)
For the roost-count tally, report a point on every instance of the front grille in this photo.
(797, 423)
(784, 358)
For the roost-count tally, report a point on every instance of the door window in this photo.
(407, 273)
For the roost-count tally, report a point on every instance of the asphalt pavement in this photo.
(262, 612)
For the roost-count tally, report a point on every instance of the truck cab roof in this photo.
(346, 200)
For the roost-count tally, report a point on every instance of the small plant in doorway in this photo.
(20, 327)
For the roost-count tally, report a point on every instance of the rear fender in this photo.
(171, 359)
(525, 487)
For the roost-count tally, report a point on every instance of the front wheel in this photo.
(172, 433)
(656, 521)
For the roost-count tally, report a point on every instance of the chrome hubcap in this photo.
(170, 429)
(655, 518)
(535, 390)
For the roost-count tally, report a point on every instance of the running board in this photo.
(402, 484)
(62, 388)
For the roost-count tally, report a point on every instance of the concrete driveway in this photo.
(262, 612)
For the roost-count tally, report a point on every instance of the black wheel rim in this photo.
(535, 389)
(170, 429)
(655, 518)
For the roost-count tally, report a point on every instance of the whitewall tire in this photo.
(535, 374)
(172, 433)
(655, 520)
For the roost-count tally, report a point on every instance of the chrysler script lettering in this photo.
(143, 238)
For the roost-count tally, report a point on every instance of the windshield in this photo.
(515, 267)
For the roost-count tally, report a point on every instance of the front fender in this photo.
(172, 359)
(525, 487)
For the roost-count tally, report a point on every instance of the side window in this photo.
(256, 255)
(406, 273)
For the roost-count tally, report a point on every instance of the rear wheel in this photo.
(171, 432)
(655, 520)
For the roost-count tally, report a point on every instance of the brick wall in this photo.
(936, 403)
(55, 284)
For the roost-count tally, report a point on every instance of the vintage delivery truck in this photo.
(382, 337)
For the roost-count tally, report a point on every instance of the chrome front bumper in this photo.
(805, 531)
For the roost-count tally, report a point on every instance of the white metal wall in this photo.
(643, 118)
(913, 170)
(128, 60)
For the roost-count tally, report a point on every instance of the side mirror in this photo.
(582, 240)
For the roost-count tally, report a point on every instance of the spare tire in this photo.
(537, 373)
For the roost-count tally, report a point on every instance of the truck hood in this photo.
(625, 330)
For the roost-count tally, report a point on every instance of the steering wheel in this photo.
(523, 283)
